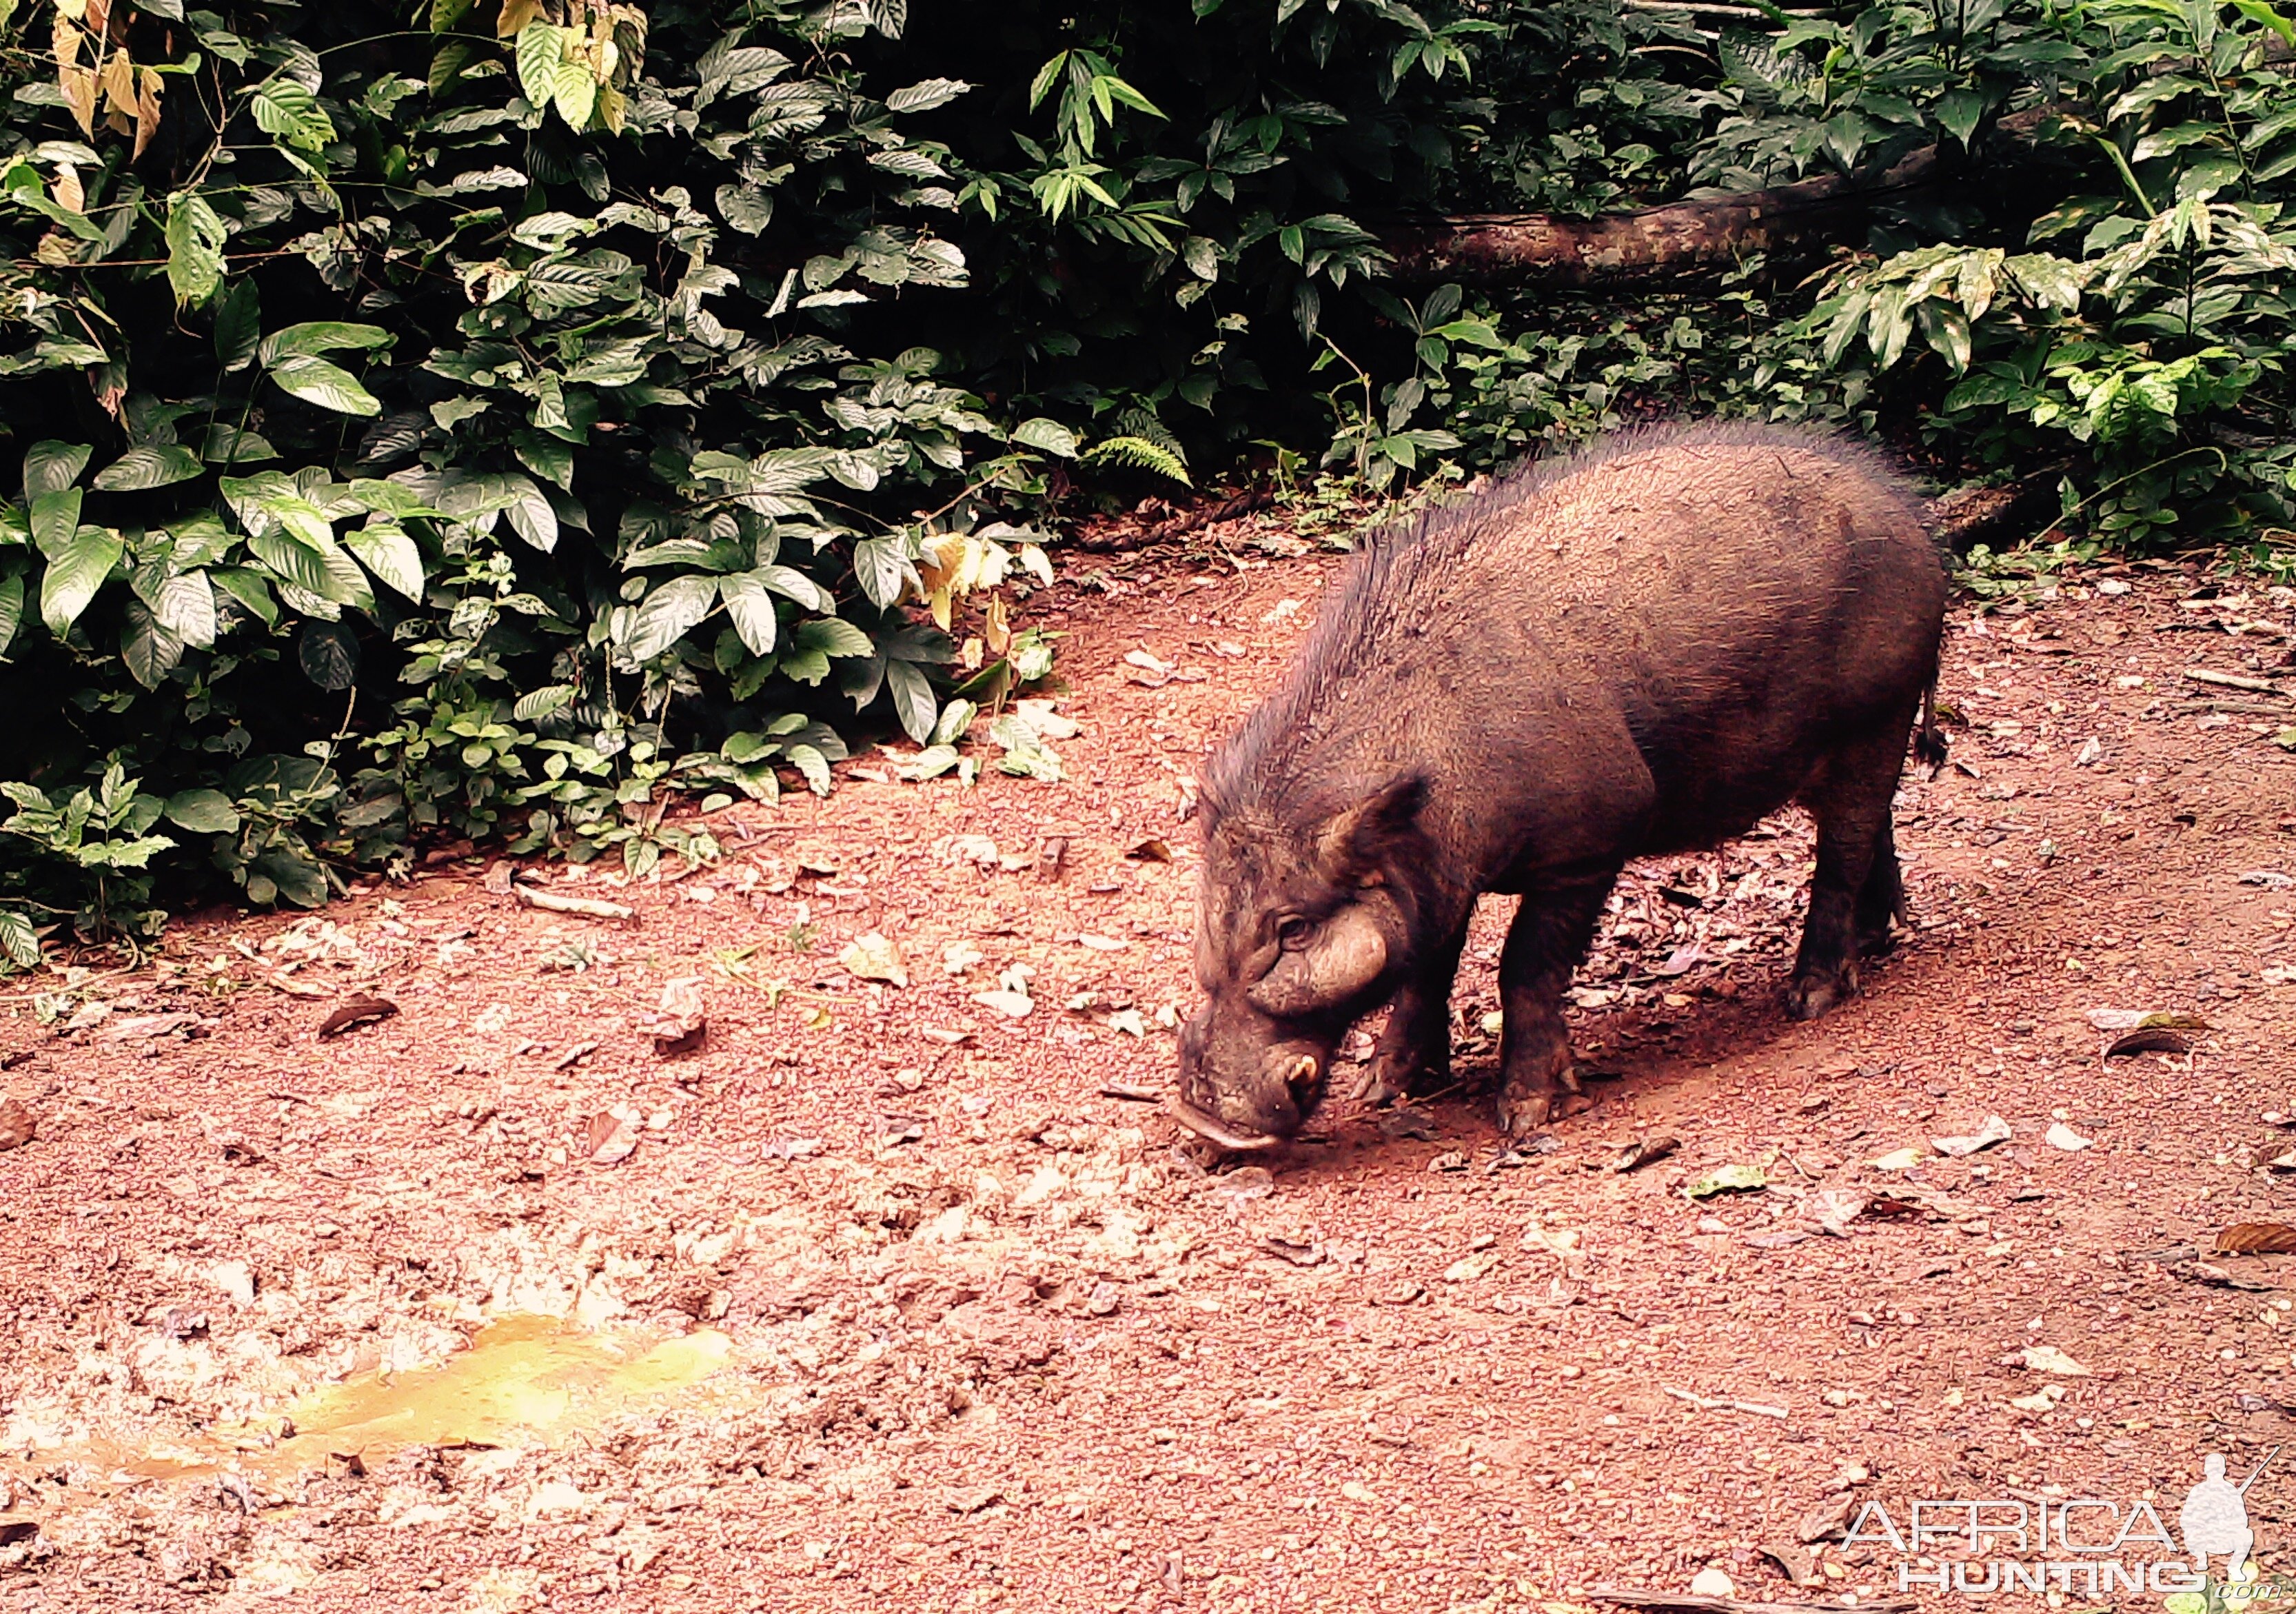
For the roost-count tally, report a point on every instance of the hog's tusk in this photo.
(1220, 1131)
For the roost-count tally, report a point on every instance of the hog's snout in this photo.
(1246, 1091)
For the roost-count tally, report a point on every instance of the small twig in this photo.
(1692, 1603)
(588, 908)
(1126, 1090)
(2234, 680)
(1723, 1403)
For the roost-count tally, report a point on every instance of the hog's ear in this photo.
(1357, 843)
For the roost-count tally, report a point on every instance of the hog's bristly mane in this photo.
(1278, 758)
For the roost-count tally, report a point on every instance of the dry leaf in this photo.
(2061, 1136)
(612, 1134)
(1833, 1209)
(871, 957)
(2049, 1358)
(1899, 1159)
(1728, 1180)
(2257, 1239)
(1013, 1005)
(356, 1012)
(1643, 1152)
(1151, 851)
(18, 1125)
(1995, 1131)
(2146, 1019)
(2152, 1040)
(1472, 1267)
(679, 1023)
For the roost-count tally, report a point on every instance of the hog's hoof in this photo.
(1810, 996)
(1393, 1076)
(1547, 1092)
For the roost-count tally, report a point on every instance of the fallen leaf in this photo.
(1354, 1490)
(974, 1500)
(18, 1125)
(356, 1012)
(2152, 1040)
(1103, 944)
(2257, 1239)
(1297, 1253)
(1049, 724)
(1995, 1131)
(1833, 1209)
(1728, 1180)
(1469, 1268)
(612, 1134)
(2271, 878)
(870, 956)
(1151, 851)
(1827, 1520)
(2146, 1019)
(679, 1024)
(1013, 1005)
(2061, 1136)
(135, 1027)
(2049, 1358)
(2043, 1400)
(1899, 1159)
(1643, 1152)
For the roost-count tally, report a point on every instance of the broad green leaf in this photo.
(249, 588)
(880, 565)
(321, 336)
(1048, 436)
(544, 702)
(18, 940)
(150, 466)
(298, 880)
(330, 386)
(790, 583)
(750, 608)
(913, 699)
(328, 654)
(203, 812)
(55, 520)
(146, 647)
(833, 635)
(530, 514)
(52, 466)
(75, 573)
(239, 318)
(290, 560)
(186, 608)
(287, 112)
(195, 236)
(547, 457)
(1959, 111)
(385, 549)
(663, 617)
(925, 94)
(746, 207)
(11, 609)
(230, 446)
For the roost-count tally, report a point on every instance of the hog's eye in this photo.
(1292, 935)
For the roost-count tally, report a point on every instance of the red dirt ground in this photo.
(994, 1338)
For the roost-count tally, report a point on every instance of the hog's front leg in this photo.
(1545, 944)
(1413, 1054)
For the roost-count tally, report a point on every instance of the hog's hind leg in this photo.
(1544, 946)
(1854, 892)
(1413, 1052)
(1882, 899)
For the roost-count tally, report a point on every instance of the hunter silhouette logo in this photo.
(2215, 1517)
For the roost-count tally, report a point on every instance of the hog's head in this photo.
(1301, 928)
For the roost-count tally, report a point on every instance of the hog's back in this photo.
(1726, 603)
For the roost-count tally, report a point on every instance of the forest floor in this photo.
(892, 1296)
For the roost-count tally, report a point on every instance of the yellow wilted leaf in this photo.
(940, 606)
(67, 190)
(515, 16)
(119, 84)
(996, 625)
(147, 109)
(612, 107)
(1038, 565)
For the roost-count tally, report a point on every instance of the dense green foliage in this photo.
(485, 417)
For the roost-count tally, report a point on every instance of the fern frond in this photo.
(1140, 455)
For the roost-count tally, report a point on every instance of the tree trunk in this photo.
(1681, 240)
